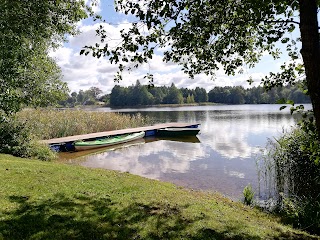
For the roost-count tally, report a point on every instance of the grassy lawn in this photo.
(43, 200)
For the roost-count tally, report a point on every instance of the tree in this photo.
(29, 29)
(157, 94)
(201, 95)
(94, 92)
(174, 96)
(81, 97)
(118, 96)
(206, 35)
(146, 97)
(237, 95)
(190, 99)
(135, 97)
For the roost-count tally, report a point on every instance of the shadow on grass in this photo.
(88, 217)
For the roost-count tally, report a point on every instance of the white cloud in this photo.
(61, 55)
(82, 72)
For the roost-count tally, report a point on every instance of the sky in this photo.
(83, 72)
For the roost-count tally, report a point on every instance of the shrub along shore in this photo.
(48, 200)
(20, 134)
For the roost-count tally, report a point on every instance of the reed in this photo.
(291, 177)
(52, 123)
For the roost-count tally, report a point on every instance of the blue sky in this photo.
(83, 72)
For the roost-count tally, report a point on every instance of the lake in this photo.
(221, 158)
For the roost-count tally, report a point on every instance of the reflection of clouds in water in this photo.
(232, 131)
(203, 166)
(227, 132)
(228, 142)
(149, 160)
(234, 173)
(242, 136)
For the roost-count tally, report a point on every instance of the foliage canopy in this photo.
(29, 29)
(203, 36)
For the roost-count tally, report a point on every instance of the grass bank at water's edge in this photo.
(45, 200)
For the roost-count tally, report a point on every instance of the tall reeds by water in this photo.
(290, 173)
(52, 123)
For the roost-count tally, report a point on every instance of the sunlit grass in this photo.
(50, 123)
(41, 200)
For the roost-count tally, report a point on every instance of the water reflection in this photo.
(68, 156)
(221, 158)
(151, 160)
(233, 134)
(241, 136)
(190, 139)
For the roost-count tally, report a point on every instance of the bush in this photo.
(248, 194)
(41, 151)
(16, 139)
(291, 167)
(13, 136)
(302, 212)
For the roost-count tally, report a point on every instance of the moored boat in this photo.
(86, 145)
(175, 132)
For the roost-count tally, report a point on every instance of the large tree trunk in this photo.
(311, 53)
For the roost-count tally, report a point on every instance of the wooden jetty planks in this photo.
(115, 132)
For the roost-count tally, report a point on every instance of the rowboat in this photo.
(175, 132)
(86, 145)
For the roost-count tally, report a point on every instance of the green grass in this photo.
(46, 200)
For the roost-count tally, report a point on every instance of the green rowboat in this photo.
(86, 145)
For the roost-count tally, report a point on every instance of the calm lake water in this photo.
(221, 158)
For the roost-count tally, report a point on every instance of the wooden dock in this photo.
(149, 130)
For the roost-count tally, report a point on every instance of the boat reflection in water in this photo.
(63, 156)
(190, 139)
(68, 156)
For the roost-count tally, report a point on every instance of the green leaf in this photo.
(292, 109)
(281, 101)
(282, 107)
(290, 102)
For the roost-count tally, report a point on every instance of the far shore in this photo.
(165, 105)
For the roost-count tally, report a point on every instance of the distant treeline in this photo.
(141, 95)
(256, 95)
(91, 96)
